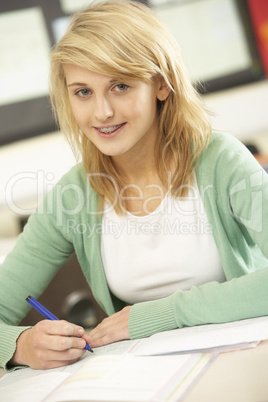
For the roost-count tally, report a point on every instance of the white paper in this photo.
(131, 378)
(204, 337)
(32, 389)
(111, 378)
(25, 373)
(24, 49)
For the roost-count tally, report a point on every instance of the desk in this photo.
(239, 376)
(235, 377)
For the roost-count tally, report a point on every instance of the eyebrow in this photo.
(79, 84)
(83, 84)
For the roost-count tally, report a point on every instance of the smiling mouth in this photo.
(109, 130)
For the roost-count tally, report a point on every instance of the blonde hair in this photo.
(125, 40)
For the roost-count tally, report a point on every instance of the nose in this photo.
(103, 109)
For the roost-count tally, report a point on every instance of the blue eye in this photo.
(121, 87)
(83, 93)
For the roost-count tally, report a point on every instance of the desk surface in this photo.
(239, 376)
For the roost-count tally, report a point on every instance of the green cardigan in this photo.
(234, 189)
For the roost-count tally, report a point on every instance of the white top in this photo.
(150, 257)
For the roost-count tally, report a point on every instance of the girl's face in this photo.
(120, 118)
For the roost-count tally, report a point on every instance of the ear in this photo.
(163, 89)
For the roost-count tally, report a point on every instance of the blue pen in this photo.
(47, 314)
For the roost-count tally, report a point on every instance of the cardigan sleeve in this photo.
(237, 299)
(40, 251)
(237, 206)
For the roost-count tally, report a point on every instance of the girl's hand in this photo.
(111, 329)
(50, 344)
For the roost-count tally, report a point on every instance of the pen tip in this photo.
(28, 298)
(88, 348)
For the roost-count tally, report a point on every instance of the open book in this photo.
(131, 378)
(125, 378)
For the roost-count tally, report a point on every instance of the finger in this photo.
(110, 330)
(105, 335)
(64, 356)
(60, 327)
(86, 337)
(57, 359)
(62, 343)
(56, 335)
(104, 340)
(112, 323)
(106, 323)
(54, 364)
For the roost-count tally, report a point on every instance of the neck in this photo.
(143, 190)
(136, 169)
